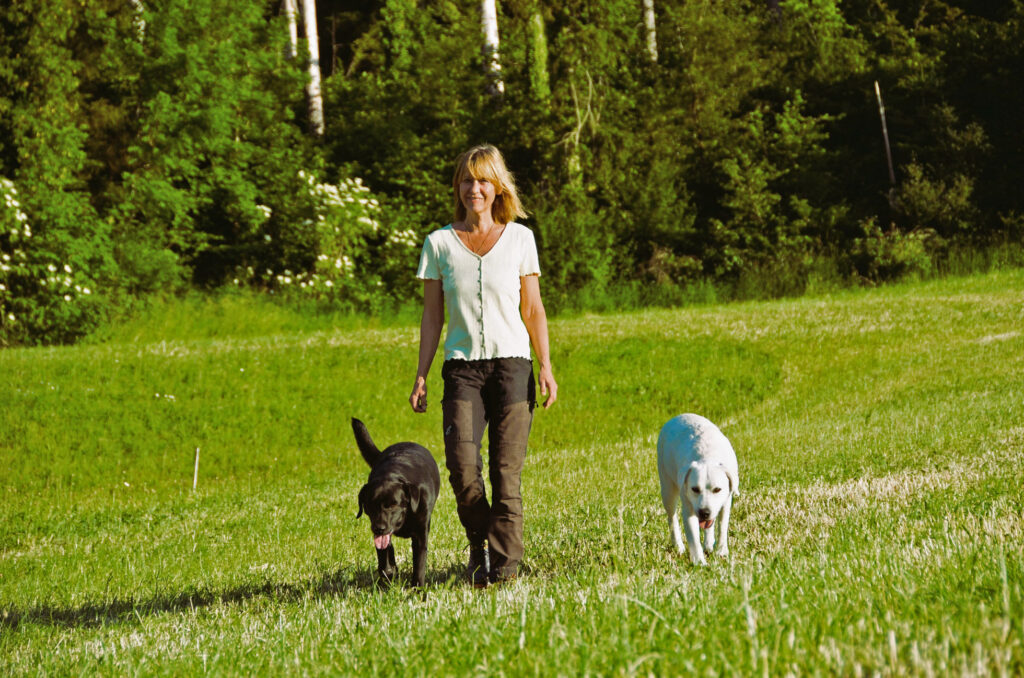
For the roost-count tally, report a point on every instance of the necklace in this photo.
(482, 247)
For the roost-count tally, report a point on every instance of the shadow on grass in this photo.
(121, 611)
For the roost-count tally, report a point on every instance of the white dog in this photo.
(696, 460)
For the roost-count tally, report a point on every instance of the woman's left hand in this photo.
(548, 386)
(536, 320)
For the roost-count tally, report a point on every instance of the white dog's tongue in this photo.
(705, 524)
(382, 541)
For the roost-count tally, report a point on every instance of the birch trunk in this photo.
(489, 19)
(291, 11)
(140, 19)
(316, 102)
(652, 32)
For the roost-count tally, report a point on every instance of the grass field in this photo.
(880, 435)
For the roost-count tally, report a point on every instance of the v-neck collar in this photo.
(501, 237)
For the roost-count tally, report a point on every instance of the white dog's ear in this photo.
(693, 468)
(734, 482)
(686, 479)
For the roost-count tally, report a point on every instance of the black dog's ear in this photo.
(413, 492)
(362, 499)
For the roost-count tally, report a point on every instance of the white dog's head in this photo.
(706, 487)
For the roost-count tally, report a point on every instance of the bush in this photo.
(362, 261)
(45, 296)
(880, 256)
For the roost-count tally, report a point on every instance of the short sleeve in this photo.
(428, 268)
(529, 264)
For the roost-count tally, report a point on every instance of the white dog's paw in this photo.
(722, 552)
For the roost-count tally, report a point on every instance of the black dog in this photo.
(398, 498)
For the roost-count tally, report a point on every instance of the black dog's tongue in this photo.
(381, 541)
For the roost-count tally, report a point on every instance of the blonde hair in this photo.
(486, 162)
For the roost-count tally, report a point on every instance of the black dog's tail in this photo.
(370, 452)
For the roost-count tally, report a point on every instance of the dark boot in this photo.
(476, 569)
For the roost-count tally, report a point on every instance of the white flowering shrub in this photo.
(358, 253)
(42, 298)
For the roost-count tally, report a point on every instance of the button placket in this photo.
(480, 298)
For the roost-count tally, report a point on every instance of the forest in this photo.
(304, 149)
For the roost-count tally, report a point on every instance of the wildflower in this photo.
(51, 268)
(67, 269)
(67, 297)
(86, 290)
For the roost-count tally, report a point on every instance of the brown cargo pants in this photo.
(500, 395)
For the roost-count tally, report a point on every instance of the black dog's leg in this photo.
(386, 566)
(419, 559)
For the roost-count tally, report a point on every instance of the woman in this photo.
(484, 268)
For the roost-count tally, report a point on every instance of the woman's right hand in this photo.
(418, 397)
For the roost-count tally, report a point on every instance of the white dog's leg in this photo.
(693, 539)
(723, 529)
(669, 495)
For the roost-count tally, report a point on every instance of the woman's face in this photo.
(477, 195)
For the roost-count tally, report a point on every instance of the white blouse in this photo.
(481, 293)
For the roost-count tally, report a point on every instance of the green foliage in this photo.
(946, 209)
(163, 148)
(42, 297)
(56, 249)
(361, 256)
(888, 255)
(213, 173)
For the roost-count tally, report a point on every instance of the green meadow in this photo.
(880, 531)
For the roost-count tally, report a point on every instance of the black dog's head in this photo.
(387, 504)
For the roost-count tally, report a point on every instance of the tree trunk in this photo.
(652, 32)
(492, 65)
(291, 11)
(316, 102)
(540, 85)
(140, 19)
